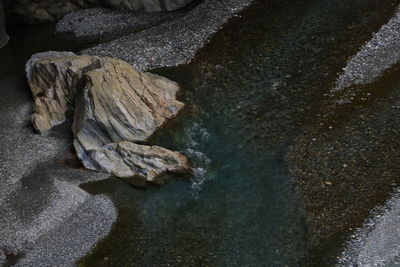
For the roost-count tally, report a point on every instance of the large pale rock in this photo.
(114, 106)
(119, 103)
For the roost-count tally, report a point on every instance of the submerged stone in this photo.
(114, 105)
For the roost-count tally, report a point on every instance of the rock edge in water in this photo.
(114, 106)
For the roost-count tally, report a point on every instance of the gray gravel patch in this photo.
(74, 237)
(20, 148)
(377, 55)
(46, 219)
(103, 23)
(172, 43)
(377, 243)
(2, 258)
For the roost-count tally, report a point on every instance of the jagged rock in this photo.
(33, 11)
(54, 78)
(119, 103)
(128, 160)
(114, 106)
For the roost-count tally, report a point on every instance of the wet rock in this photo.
(114, 106)
(44, 11)
(3, 34)
(34, 11)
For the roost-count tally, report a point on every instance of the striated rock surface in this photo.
(128, 160)
(119, 103)
(114, 106)
(54, 78)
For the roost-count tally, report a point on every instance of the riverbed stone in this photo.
(114, 106)
(129, 160)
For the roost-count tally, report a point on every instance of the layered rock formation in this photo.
(114, 106)
(33, 11)
(129, 160)
(54, 78)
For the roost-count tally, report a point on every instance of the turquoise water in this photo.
(231, 212)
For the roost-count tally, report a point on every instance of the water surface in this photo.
(250, 92)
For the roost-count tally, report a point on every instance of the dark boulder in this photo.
(3, 34)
